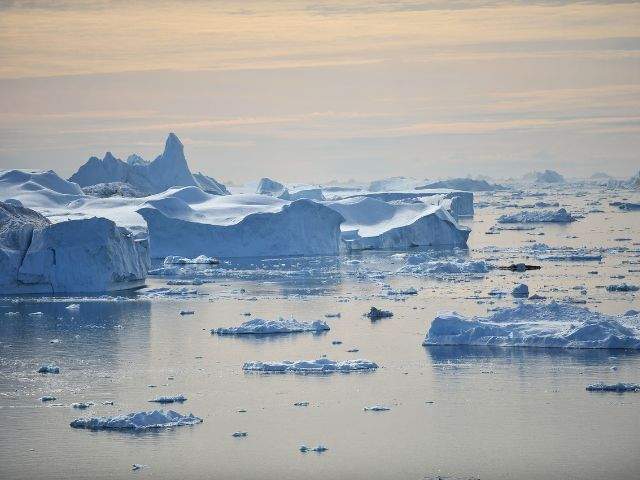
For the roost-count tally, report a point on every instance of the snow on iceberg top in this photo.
(260, 326)
(321, 365)
(553, 325)
(137, 421)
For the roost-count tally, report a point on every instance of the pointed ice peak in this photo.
(173, 143)
(108, 157)
(135, 159)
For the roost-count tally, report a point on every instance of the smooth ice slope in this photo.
(321, 365)
(375, 224)
(137, 421)
(168, 170)
(264, 327)
(553, 325)
(241, 226)
(92, 255)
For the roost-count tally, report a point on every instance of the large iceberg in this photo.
(553, 325)
(321, 365)
(192, 223)
(548, 176)
(137, 421)
(168, 170)
(464, 184)
(258, 326)
(374, 224)
(89, 255)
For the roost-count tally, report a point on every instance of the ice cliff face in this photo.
(302, 227)
(168, 170)
(90, 255)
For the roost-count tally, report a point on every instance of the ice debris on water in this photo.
(318, 449)
(73, 307)
(321, 365)
(81, 405)
(137, 421)
(239, 434)
(47, 398)
(199, 260)
(169, 399)
(49, 369)
(376, 408)
(262, 327)
(616, 387)
(376, 313)
(554, 325)
(187, 312)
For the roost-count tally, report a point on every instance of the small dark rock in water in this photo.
(520, 267)
(376, 313)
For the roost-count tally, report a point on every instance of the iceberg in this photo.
(199, 260)
(258, 326)
(615, 387)
(168, 170)
(464, 184)
(541, 216)
(444, 267)
(520, 290)
(553, 325)
(266, 186)
(548, 176)
(241, 226)
(622, 287)
(372, 224)
(321, 365)
(49, 369)
(137, 421)
(170, 399)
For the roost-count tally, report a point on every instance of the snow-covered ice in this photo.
(553, 325)
(321, 365)
(137, 421)
(282, 325)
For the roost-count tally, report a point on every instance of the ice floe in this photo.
(136, 421)
(262, 327)
(321, 365)
(49, 369)
(554, 325)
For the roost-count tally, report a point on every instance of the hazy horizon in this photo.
(315, 91)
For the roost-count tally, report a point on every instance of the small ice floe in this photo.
(622, 287)
(187, 312)
(336, 342)
(557, 325)
(301, 404)
(520, 290)
(376, 408)
(454, 267)
(47, 398)
(107, 402)
(572, 256)
(170, 292)
(239, 434)
(81, 405)
(540, 216)
(496, 292)
(169, 399)
(36, 314)
(261, 327)
(321, 365)
(12, 314)
(74, 307)
(376, 313)
(332, 315)
(49, 369)
(405, 291)
(318, 449)
(615, 387)
(138, 466)
(200, 260)
(137, 421)
(353, 350)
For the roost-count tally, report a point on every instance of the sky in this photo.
(318, 91)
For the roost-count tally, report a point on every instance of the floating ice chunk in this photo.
(318, 449)
(520, 290)
(623, 287)
(49, 369)
(170, 399)
(520, 267)
(542, 216)
(36, 314)
(138, 466)
(616, 387)
(301, 404)
(321, 365)
(137, 421)
(573, 256)
(557, 325)
(12, 314)
(81, 405)
(376, 313)
(405, 291)
(332, 315)
(73, 307)
(199, 260)
(47, 398)
(454, 267)
(376, 408)
(239, 434)
(260, 326)
(187, 312)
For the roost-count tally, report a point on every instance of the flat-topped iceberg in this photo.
(258, 326)
(321, 365)
(540, 216)
(137, 421)
(372, 224)
(89, 255)
(553, 325)
(240, 226)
